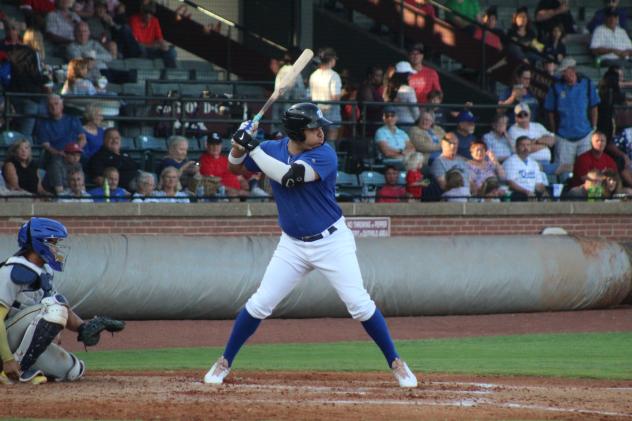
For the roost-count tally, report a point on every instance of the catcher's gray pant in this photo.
(54, 361)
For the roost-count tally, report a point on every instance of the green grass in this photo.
(589, 355)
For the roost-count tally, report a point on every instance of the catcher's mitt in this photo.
(90, 331)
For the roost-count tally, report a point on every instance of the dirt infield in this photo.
(331, 396)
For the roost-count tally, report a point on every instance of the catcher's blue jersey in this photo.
(309, 208)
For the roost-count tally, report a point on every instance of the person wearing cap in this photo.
(325, 84)
(594, 158)
(568, 103)
(541, 138)
(56, 179)
(465, 127)
(399, 92)
(215, 164)
(600, 15)
(449, 160)
(423, 79)
(523, 174)
(610, 43)
(392, 142)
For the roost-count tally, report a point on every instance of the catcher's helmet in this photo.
(44, 236)
(300, 117)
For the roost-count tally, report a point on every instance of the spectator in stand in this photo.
(520, 92)
(426, 137)
(399, 92)
(391, 192)
(449, 160)
(372, 90)
(84, 8)
(177, 151)
(595, 158)
(522, 34)
(414, 177)
(613, 188)
(111, 27)
(554, 46)
(109, 190)
(28, 75)
(56, 131)
(83, 45)
(568, 102)
(147, 32)
(392, 142)
(541, 139)
(214, 164)
(325, 85)
(296, 93)
(145, 184)
(93, 131)
(482, 166)
(469, 9)
(19, 169)
(110, 155)
(424, 6)
(591, 186)
(169, 188)
(621, 150)
(600, 15)
(490, 22)
(77, 82)
(498, 140)
(11, 34)
(610, 44)
(56, 179)
(423, 79)
(35, 11)
(550, 13)
(465, 127)
(60, 23)
(523, 174)
(76, 191)
(611, 95)
(455, 188)
(436, 98)
(549, 66)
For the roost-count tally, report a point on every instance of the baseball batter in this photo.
(32, 313)
(302, 169)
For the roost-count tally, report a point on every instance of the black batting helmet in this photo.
(300, 117)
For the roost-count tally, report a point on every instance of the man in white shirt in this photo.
(523, 174)
(325, 85)
(610, 43)
(541, 138)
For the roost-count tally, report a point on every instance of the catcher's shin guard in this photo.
(77, 370)
(37, 338)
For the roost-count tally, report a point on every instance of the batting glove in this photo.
(245, 136)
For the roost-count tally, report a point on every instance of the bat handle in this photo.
(254, 121)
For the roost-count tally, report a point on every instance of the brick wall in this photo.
(260, 219)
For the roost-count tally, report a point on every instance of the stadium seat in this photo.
(371, 178)
(206, 75)
(137, 89)
(176, 74)
(127, 143)
(8, 137)
(151, 143)
(140, 63)
(148, 74)
(163, 89)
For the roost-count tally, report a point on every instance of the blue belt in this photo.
(310, 238)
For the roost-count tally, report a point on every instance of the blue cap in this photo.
(465, 116)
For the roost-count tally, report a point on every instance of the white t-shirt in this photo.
(406, 115)
(535, 131)
(604, 37)
(324, 85)
(525, 174)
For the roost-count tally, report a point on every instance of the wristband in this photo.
(236, 161)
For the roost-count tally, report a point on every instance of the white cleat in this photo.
(218, 372)
(402, 373)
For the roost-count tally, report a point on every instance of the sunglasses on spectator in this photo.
(447, 140)
(522, 114)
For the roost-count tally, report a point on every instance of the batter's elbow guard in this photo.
(294, 176)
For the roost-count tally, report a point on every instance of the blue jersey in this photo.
(309, 208)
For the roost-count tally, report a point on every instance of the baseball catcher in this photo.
(33, 314)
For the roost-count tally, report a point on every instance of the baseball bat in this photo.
(284, 84)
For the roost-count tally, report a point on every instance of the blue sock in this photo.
(378, 331)
(245, 325)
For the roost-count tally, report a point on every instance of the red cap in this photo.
(72, 148)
